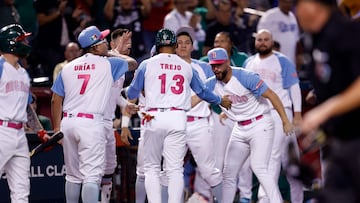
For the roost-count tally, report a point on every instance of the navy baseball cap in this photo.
(91, 36)
(188, 31)
(217, 56)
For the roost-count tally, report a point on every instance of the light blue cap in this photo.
(217, 56)
(91, 35)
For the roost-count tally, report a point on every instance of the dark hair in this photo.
(186, 34)
(276, 45)
(118, 33)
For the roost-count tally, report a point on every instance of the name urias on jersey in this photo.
(84, 67)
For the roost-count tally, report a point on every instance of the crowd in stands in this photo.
(56, 23)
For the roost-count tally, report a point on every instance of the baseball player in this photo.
(140, 192)
(199, 138)
(167, 80)
(280, 75)
(221, 126)
(80, 94)
(120, 40)
(253, 133)
(15, 110)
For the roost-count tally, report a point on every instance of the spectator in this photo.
(28, 19)
(155, 21)
(72, 51)
(124, 14)
(9, 13)
(283, 25)
(81, 15)
(223, 22)
(247, 24)
(224, 40)
(180, 16)
(350, 8)
(49, 47)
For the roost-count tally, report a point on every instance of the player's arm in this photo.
(195, 100)
(131, 62)
(137, 84)
(339, 104)
(206, 94)
(127, 109)
(34, 123)
(277, 104)
(56, 110)
(57, 102)
(291, 82)
(295, 95)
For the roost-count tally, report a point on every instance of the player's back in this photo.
(167, 82)
(87, 82)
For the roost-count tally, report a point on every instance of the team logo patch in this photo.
(94, 37)
(165, 39)
(213, 55)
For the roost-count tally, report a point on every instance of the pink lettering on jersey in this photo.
(236, 99)
(166, 66)
(17, 86)
(84, 67)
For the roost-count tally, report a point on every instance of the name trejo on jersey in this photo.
(166, 66)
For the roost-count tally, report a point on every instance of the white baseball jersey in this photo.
(14, 150)
(205, 72)
(76, 81)
(175, 20)
(284, 29)
(14, 92)
(278, 72)
(172, 77)
(115, 98)
(244, 90)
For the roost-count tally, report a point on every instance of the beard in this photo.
(263, 52)
(221, 76)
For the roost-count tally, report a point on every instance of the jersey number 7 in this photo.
(86, 78)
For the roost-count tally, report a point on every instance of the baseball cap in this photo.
(91, 35)
(189, 31)
(217, 56)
